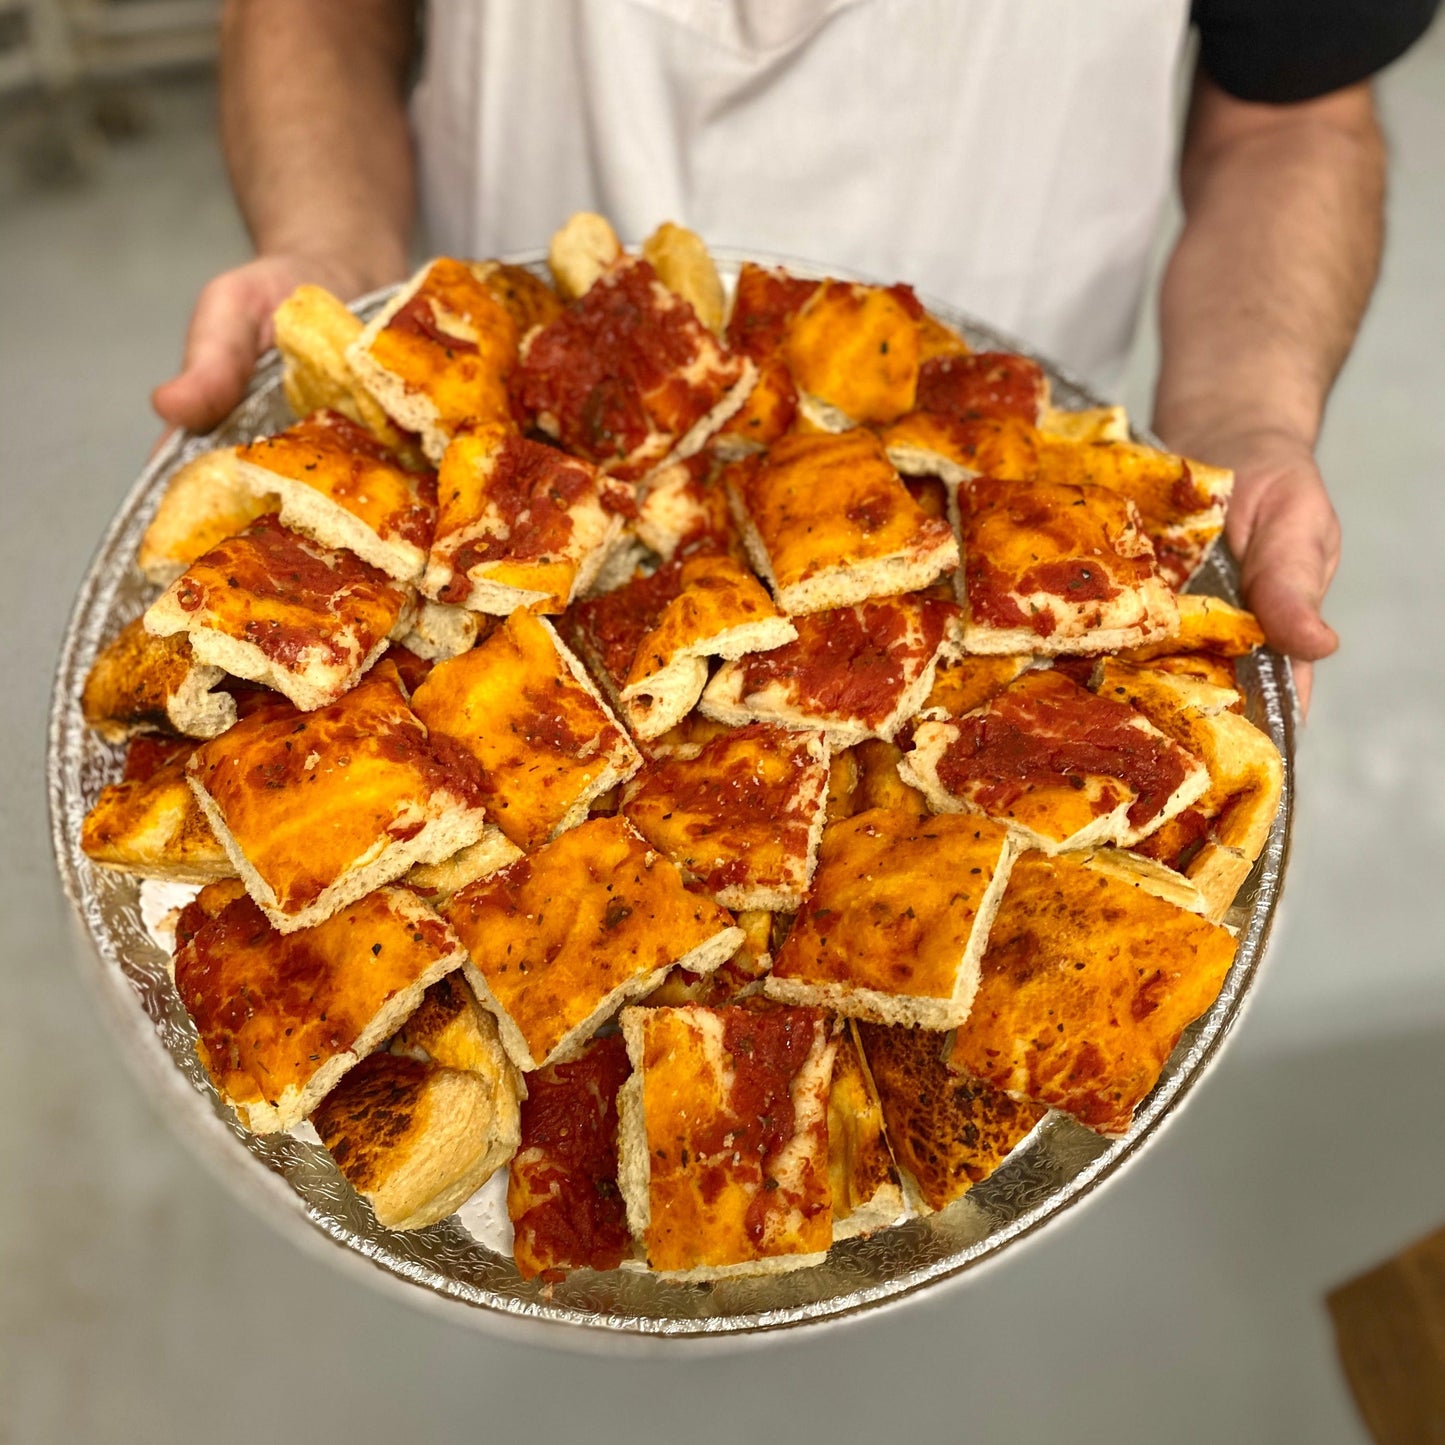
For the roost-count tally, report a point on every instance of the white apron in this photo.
(1008, 156)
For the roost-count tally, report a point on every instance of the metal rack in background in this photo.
(71, 59)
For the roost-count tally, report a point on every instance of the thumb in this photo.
(1287, 561)
(226, 336)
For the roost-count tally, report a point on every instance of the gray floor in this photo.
(139, 1301)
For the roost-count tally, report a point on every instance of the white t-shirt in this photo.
(1008, 156)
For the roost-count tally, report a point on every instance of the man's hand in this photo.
(1284, 531)
(230, 328)
(1281, 243)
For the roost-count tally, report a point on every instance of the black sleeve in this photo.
(1287, 50)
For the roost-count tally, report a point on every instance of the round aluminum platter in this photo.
(295, 1184)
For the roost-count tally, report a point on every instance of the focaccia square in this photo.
(1056, 568)
(277, 608)
(149, 824)
(317, 809)
(1215, 841)
(650, 639)
(519, 524)
(141, 683)
(281, 1017)
(563, 1197)
(627, 376)
(724, 1139)
(828, 523)
(438, 355)
(855, 672)
(561, 939)
(338, 484)
(740, 815)
(854, 353)
(895, 923)
(1062, 767)
(948, 1131)
(522, 707)
(204, 503)
(419, 1128)
(1087, 984)
(864, 1181)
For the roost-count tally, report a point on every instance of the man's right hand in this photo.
(230, 328)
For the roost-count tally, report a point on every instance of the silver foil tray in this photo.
(297, 1187)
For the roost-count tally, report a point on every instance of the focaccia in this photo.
(828, 523)
(141, 683)
(1062, 767)
(740, 815)
(544, 742)
(1056, 568)
(724, 1139)
(684, 509)
(562, 938)
(963, 683)
(563, 1197)
(1206, 624)
(281, 1017)
(897, 917)
(1086, 986)
(855, 672)
(439, 354)
(863, 1179)
(149, 824)
(317, 809)
(650, 639)
(947, 1131)
(627, 376)
(519, 524)
(419, 1128)
(276, 608)
(339, 485)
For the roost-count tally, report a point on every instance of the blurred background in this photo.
(138, 1300)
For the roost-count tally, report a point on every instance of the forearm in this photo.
(314, 125)
(1276, 261)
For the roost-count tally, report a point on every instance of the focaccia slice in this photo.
(141, 683)
(1206, 624)
(947, 1131)
(864, 1181)
(983, 384)
(276, 608)
(961, 684)
(1056, 568)
(563, 1197)
(1216, 840)
(896, 921)
(724, 1139)
(149, 824)
(281, 1017)
(1061, 767)
(313, 329)
(339, 485)
(519, 524)
(627, 376)
(740, 815)
(853, 351)
(522, 707)
(563, 938)
(204, 503)
(827, 521)
(439, 354)
(650, 639)
(764, 301)
(1086, 986)
(856, 672)
(317, 809)
(419, 1128)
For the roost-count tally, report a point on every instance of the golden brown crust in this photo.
(203, 504)
(141, 683)
(860, 1168)
(1206, 624)
(576, 928)
(1118, 973)
(948, 1132)
(961, 684)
